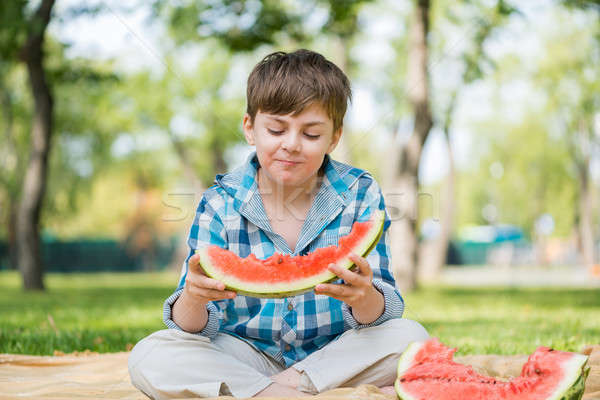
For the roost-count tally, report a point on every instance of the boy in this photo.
(289, 197)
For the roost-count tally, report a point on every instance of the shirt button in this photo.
(290, 306)
(287, 347)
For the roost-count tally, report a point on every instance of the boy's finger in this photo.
(212, 294)
(206, 282)
(213, 284)
(347, 275)
(361, 263)
(332, 295)
(332, 290)
(194, 265)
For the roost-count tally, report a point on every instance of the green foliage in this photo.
(90, 110)
(241, 24)
(343, 16)
(244, 25)
(538, 149)
(13, 28)
(87, 115)
(583, 4)
(531, 176)
(477, 23)
(106, 312)
(568, 76)
(197, 96)
(15, 124)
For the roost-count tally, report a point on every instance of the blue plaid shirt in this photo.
(231, 215)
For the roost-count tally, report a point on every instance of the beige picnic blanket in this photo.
(104, 376)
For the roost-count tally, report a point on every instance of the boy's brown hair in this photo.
(284, 83)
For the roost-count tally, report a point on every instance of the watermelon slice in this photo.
(426, 371)
(282, 275)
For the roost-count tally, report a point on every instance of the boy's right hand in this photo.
(202, 288)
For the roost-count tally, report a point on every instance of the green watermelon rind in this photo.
(575, 382)
(576, 370)
(307, 284)
(404, 364)
(575, 392)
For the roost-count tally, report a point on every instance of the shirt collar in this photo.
(329, 201)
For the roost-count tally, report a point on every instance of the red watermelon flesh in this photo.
(282, 275)
(426, 370)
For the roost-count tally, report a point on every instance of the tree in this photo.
(32, 29)
(474, 64)
(576, 110)
(54, 145)
(532, 165)
(522, 172)
(405, 179)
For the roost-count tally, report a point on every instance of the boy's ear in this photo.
(335, 139)
(248, 129)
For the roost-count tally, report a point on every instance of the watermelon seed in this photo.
(537, 371)
(279, 260)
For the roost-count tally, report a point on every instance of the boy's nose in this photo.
(291, 142)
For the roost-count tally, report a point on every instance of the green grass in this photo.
(508, 321)
(106, 312)
(101, 312)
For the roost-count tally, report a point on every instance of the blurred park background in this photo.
(480, 119)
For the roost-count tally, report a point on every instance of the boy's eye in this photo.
(311, 136)
(274, 132)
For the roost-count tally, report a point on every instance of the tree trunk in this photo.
(182, 249)
(343, 151)
(12, 236)
(448, 209)
(219, 158)
(448, 199)
(586, 230)
(405, 188)
(34, 183)
(217, 145)
(184, 158)
(433, 263)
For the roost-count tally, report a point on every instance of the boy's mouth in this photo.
(287, 162)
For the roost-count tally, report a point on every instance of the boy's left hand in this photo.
(357, 291)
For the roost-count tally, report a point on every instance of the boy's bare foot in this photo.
(388, 390)
(290, 377)
(278, 390)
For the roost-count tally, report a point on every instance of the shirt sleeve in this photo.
(207, 229)
(379, 260)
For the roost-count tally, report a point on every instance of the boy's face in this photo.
(290, 148)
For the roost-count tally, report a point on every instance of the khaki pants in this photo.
(172, 363)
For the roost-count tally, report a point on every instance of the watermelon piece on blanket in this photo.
(426, 371)
(283, 275)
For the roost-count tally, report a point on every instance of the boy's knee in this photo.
(404, 331)
(140, 356)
